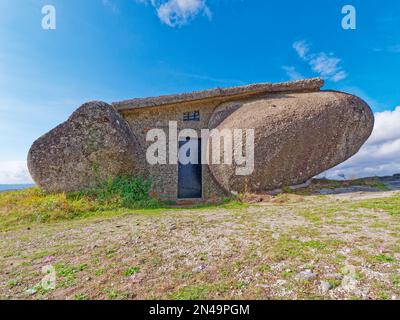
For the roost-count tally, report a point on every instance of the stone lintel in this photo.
(306, 85)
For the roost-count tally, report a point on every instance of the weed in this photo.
(315, 244)
(264, 268)
(81, 296)
(385, 258)
(131, 271)
(12, 283)
(395, 278)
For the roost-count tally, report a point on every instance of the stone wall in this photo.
(165, 177)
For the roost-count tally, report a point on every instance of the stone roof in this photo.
(307, 85)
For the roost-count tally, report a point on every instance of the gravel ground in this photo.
(289, 247)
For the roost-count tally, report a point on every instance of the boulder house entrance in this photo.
(190, 175)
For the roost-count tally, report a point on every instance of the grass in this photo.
(132, 195)
(81, 296)
(286, 248)
(12, 283)
(317, 184)
(367, 182)
(201, 292)
(111, 198)
(315, 244)
(395, 279)
(390, 205)
(131, 271)
(67, 274)
(385, 258)
(248, 250)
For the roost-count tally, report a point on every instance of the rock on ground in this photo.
(96, 143)
(325, 287)
(306, 275)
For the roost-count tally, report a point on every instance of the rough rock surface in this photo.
(306, 275)
(297, 136)
(94, 144)
(306, 85)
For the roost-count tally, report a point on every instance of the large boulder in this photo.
(96, 143)
(297, 136)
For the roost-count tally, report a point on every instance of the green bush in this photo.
(126, 192)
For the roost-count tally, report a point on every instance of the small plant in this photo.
(334, 282)
(68, 274)
(315, 244)
(12, 283)
(395, 280)
(383, 295)
(81, 296)
(111, 294)
(385, 258)
(264, 268)
(131, 271)
(99, 271)
(241, 285)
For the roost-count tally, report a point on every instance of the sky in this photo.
(113, 50)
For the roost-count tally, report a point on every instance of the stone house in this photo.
(298, 130)
(200, 110)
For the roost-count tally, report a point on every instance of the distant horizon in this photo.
(17, 184)
(15, 187)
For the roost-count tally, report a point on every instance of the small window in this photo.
(191, 116)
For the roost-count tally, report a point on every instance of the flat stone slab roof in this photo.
(306, 85)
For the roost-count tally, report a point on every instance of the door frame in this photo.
(201, 171)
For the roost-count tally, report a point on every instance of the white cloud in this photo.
(292, 73)
(302, 48)
(14, 172)
(380, 156)
(341, 75)
(176, 13)
(324, 64)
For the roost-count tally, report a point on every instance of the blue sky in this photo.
(118, 49)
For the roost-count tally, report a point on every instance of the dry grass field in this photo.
(288, 246)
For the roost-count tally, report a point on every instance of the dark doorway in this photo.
(190, 174)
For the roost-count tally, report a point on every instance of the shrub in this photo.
(35, 206)
(126, 192)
